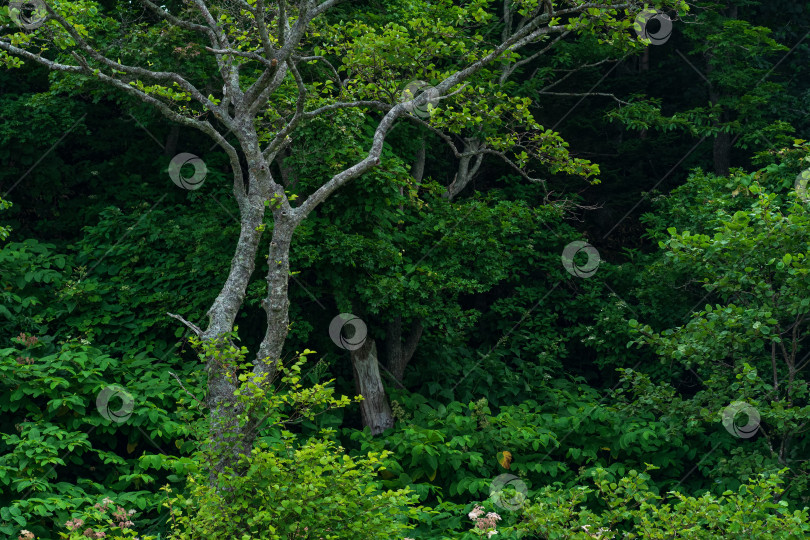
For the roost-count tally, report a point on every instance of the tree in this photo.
(744, 339)
(272, 81)
(739, 101)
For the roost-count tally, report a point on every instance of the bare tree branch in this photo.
(372, 159)
(200, 403)
(180, 23)
(585, 94)
(325, 61)
(134, 70)
(261, 25)
(510, 69)
(194, 328)
(275, 145)
(576, 70)
(245, 54)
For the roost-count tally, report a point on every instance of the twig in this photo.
(186, 391)
(385, 369)
(194, 328)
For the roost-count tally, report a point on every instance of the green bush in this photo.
(310, 492)
(62, 447)
(287, 488)
(629, 508)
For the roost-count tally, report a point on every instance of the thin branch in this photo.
(374, 104)
(221, 39)
(176, 21)
(513, 165)
(134, 70)
(282, 27)
(164, 109)
(385, 369)
(275, 145)
(245, 54)
(326, 5)
(575, 70)
(510, 69)
(202, 405)
(585, 94)
(259, 92)
(371, 160)
(194, 328)
(458, 154)
(325, 61)
(226, 66)
(261, 23)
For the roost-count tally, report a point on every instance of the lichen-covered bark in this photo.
(277, 303)
(243, 100)
(221, 317)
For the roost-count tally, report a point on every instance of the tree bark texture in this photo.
(375, 410)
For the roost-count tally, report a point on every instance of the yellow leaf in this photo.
(131, 447)
(505, 459)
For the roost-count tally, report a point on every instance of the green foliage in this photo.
(630, 508)
(517, 356)
(731, 58)
(31, 271)
(310, 490)
(4, 231)
(745, 341)
(454, 452)
(54, 429)
(113, 298)
(288, 487)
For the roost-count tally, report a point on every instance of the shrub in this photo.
(630, 509)
(287, 488)
(311, 492)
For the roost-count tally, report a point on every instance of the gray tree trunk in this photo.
(242, 101)
(375, 410)
(468, 166)
(226, 434)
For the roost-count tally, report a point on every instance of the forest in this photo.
(404, 269)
